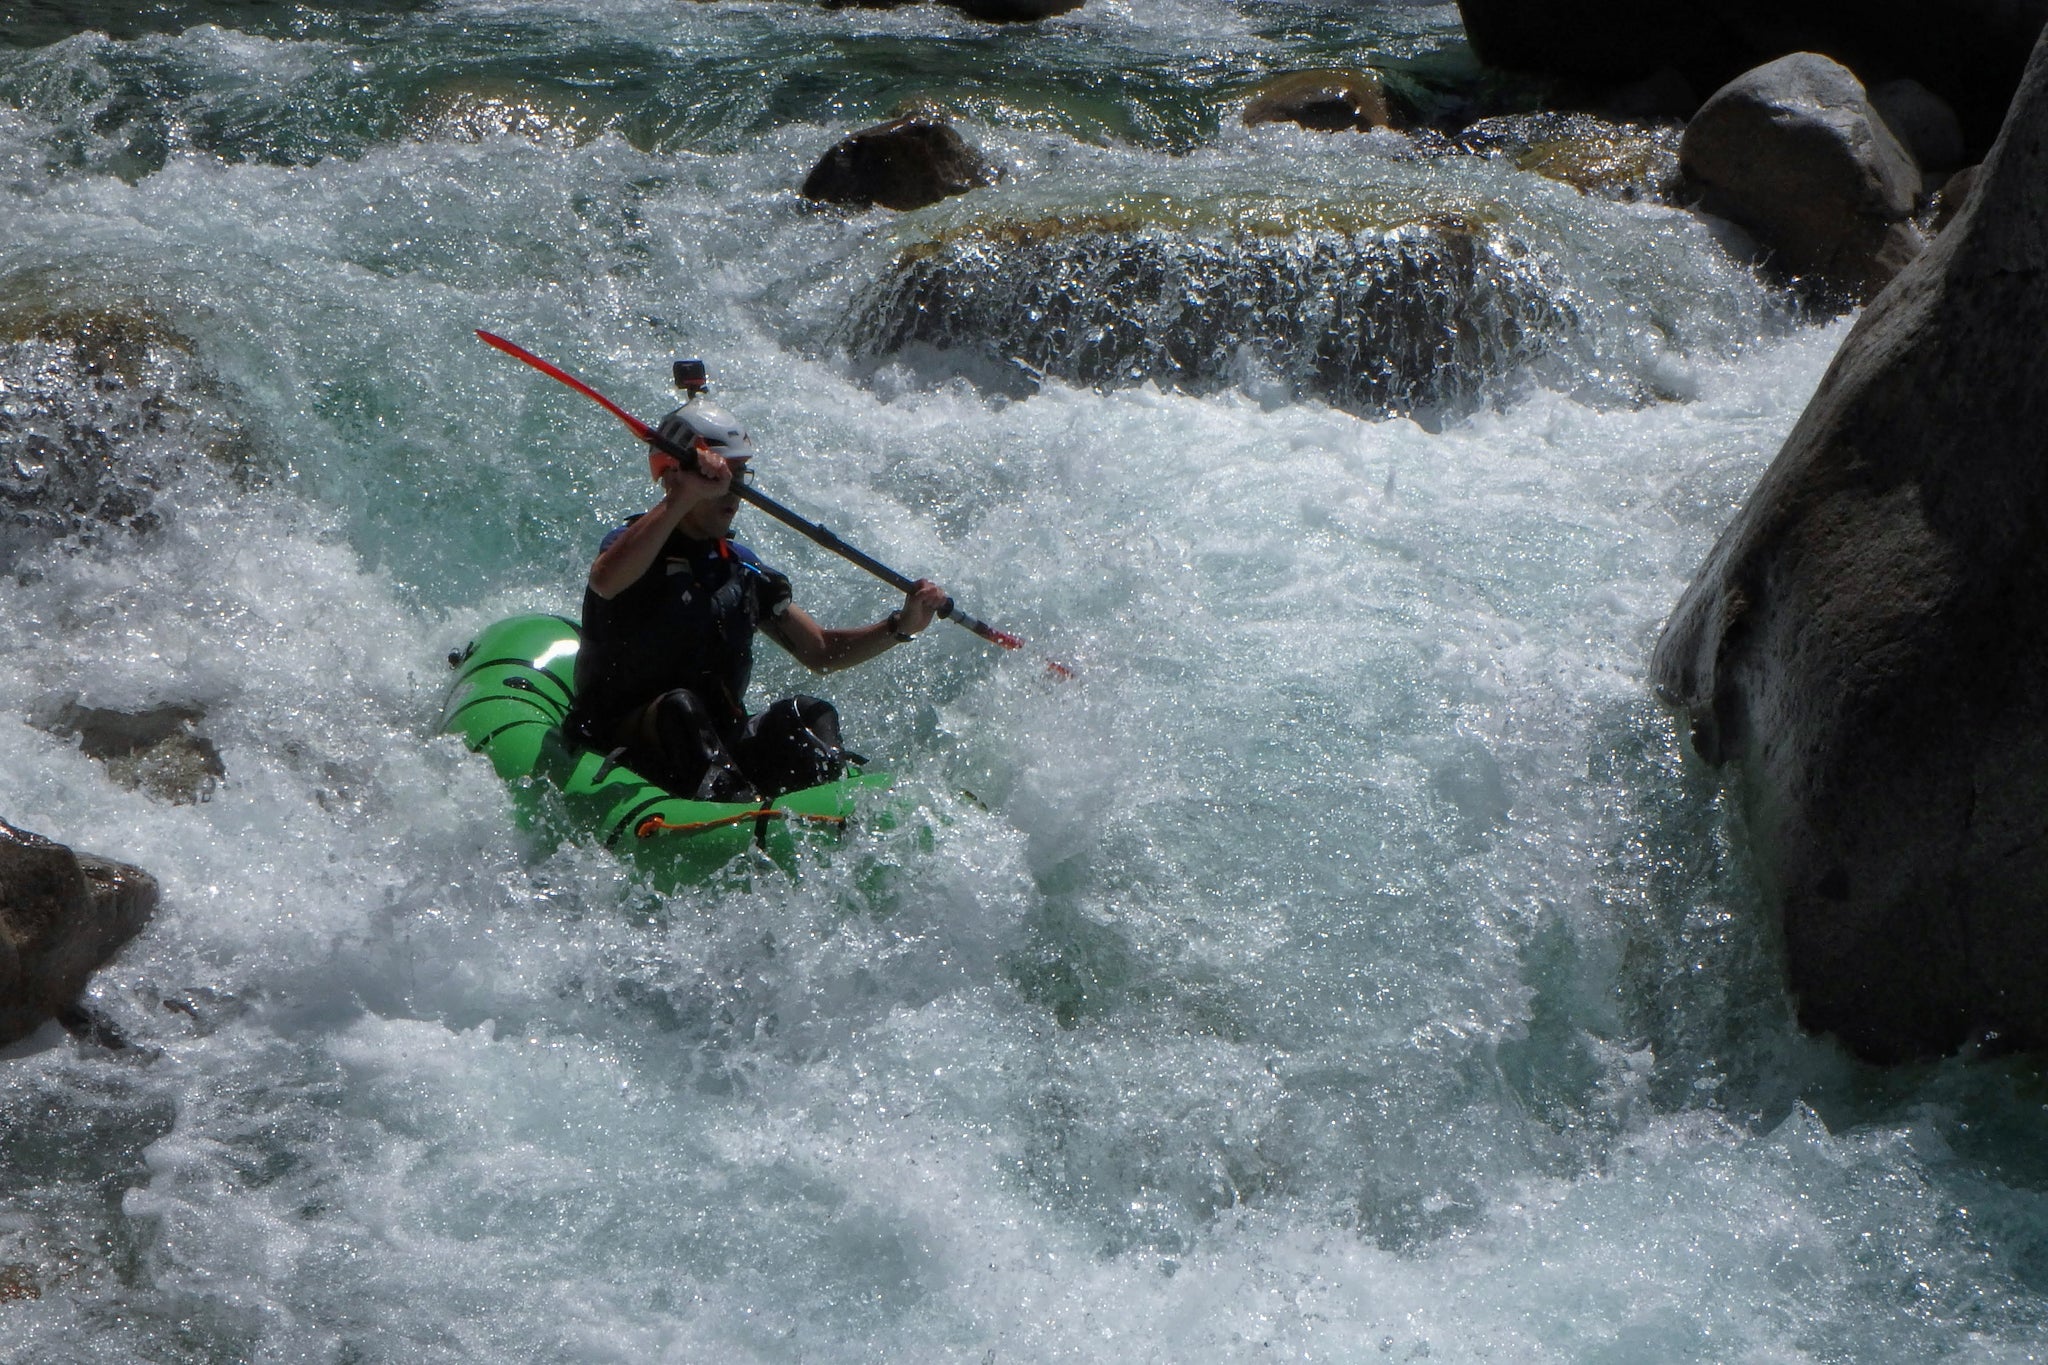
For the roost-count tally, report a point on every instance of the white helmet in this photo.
(719, 428)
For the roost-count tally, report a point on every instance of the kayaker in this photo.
(669, 615)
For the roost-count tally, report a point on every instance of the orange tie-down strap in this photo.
(654, 824)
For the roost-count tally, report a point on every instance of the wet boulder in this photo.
(1426, 316)
(903, 164)
(1794, 153)
(1868, 643)
(1328, 101)
(63, 915)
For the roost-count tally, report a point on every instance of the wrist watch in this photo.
(895, 624)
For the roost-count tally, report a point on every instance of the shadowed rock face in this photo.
(1869, 642)
(1970, 52)
(1923, 122)
(62, 916)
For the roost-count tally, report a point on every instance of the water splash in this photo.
(1418, 320)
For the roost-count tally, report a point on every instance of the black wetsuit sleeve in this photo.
(775, 593)
(772, 592)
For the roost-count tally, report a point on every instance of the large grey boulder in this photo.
(1868, 642)
(63, 915)
(1794, 152)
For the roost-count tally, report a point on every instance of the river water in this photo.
(1348, 964)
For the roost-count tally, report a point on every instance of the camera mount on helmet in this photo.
(697, 420)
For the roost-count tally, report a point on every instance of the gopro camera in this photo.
(690, 375)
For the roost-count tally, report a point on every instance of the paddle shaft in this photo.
(827, 537)
(822, 535)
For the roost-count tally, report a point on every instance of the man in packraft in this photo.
(670, 611)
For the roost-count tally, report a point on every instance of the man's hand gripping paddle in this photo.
(820, 534)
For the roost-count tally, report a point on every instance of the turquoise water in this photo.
(1347, 965)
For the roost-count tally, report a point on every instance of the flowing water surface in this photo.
(1348, 964)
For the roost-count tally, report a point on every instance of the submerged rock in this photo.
(1591, 154)
(994, 11)
(1014, 11)
(63, 915)
(159, 751)
(18, 1282)
(473, 110)
(1423, 317)
(903, 164)
(1328, 101)
(1793, 153)
(103, 408)
(1868, 642)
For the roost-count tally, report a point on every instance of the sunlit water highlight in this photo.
(1346, 966)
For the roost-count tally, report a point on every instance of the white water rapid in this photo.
(1346, 966)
